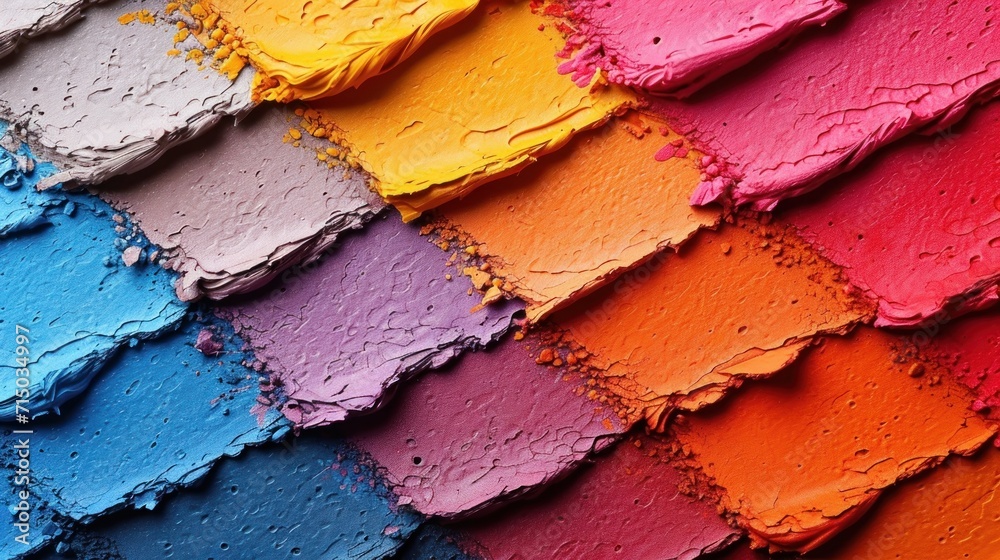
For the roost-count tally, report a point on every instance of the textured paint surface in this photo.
(229, 218)
(338, 335)
(480, 103)
(494, 426)
(676, 47)
(22, 19)
(557, 231)
(750, 301)
(433, 542)
(627, 504)
(849, 419)
(309, 497)
(93, 113)
(952, 512)
(156, 419)
(63, 278)
(919, 228)
(876, 73)
(310, 49)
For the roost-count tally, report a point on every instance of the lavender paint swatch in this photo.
(489, 429)
(337, 335)
(108, 100)
(230, 216)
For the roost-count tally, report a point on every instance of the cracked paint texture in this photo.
(918, 229)
(878, 72)
(424, 143)
(804, 455)
(951, 512)
(156, 419)
(230, 217)
(557, 231)
(92, 113)
(626, 504)
(23, 19)
(674, 47)
(311, 49)
(491, 428)
(308, 497)
(337, 335)
(683, 328)
(74, 315)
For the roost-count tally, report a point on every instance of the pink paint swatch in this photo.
(919, 228)
(491, 428)
(880, 71)
(675, 47)
(626, 505)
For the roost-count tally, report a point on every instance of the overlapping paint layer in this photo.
(667, 46)
(63, 279)
(494, 427)
(92, 113)
(339, 334)
(681, 329)
(483, 102)
(229, 218)
(27, 18)
(851, 418)
(557, 231)
(313, 49)
(880, 71)
(919, 228)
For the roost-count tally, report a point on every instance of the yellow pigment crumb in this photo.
(142, 16)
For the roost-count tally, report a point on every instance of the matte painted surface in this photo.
(492, 427)
(627, 504)
(802, 456)
(310, 497)
(308, 49)
(479, 103)
(229, 216)
(675, 47)
(876, 73)
(919, 228)
(63, 278)
(156, 419)
(951, 512)
(338, 335)
(23, 19)
(683, 328)
(92, 113)
(559, 230)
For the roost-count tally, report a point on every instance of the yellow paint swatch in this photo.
(306, 49)
(477, 105)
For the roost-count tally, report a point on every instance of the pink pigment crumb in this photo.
(131, 255)
(208, 344)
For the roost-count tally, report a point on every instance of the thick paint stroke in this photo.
(802, 456)
(559, 230)
(672, 47)
(339, 334)
(493, 427)
(156, 419)
(918, 229)
(65, 281)
(23, 19)
(875, 74)
(682, 329)
(309, 497)
(230, 217)
(482, 101)
(627, 504)
(309, 49)
(92, 113)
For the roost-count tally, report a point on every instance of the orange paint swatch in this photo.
(681, 329)
(483, 101)
(952, 512)
(562, 229)
(802, 456)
